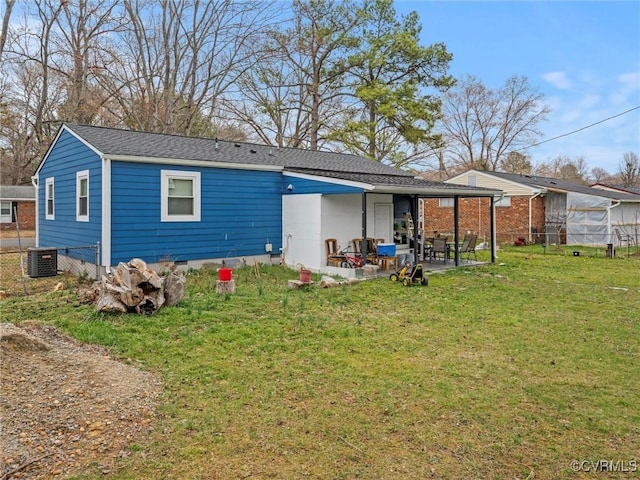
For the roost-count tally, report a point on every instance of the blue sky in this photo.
(584, 56)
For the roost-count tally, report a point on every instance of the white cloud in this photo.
(628, 89)
(557, 79)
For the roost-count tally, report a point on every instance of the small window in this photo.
(5, 208)
(446, 202)
(49, 195)
(180, 196)
(503, 202)
(82, 193)
(5, 212)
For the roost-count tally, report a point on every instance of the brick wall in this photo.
(511, 222)
(26, 217)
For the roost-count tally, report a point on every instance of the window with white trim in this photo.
(82, 196)
(503, 202)
(49, 213)
(180, 196)
(446, 202)
(5, 211)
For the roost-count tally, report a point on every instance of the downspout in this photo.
(35, 182)
(456, 234)
(105, 237)
(531, 214)
(492, 226)
(416, 222)
(364, 227)
(609, 233)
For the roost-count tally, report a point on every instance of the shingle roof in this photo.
(112, 141)
(622, 188)
(563, 185)
(127, 143)
(389, 180)
(17, 192)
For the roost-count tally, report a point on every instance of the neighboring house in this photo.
(537, 207)
(617, 188)
(17, 207)
(168, 198)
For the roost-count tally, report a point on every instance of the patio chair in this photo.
(439, 248)
(333, 255)
(623, 238)
(469, 246)
(372, 251)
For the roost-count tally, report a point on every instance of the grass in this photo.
(505, 371)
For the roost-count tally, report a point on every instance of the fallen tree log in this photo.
(135, 288)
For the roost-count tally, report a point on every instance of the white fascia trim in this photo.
(35, 182)
(105, 237)
(440, 193)
(335, 181)
(64, 128)
(192, 163)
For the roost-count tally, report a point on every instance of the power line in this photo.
(580, 129)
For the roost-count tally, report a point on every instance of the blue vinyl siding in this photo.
(241, 210)
(303, 185)
(67, 157)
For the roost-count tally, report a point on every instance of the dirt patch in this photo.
(68, 408)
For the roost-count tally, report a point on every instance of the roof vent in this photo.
(237, 145)
(252, 151)
(215, 145)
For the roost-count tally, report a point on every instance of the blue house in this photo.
(190, 201)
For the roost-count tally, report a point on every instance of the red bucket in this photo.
(224, 274)
(305, 276)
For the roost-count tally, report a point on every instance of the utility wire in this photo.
(580, 129)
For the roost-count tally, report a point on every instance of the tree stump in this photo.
(226, 286)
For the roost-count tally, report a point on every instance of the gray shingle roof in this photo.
(563, 185)
(17, 192)
(112, 141)
(389, 180)
(128, 143)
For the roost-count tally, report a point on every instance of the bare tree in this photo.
(600, 175)
(481, 125)
(83, 55)
(629, 170)
(6, 16)
(181, 57)
(30, 105)
(565, 168)
(315, 50)
(274, 100)
(516, 162)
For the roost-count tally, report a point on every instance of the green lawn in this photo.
(506, 371)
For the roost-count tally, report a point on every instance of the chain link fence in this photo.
(38, 270)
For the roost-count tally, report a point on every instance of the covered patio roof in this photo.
(403, 183)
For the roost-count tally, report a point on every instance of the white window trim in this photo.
(164, 200)
(445, 202)
(6, 218)
(503, 202)
(47, 215)
(84, 174)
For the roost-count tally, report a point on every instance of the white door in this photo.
(383, 221)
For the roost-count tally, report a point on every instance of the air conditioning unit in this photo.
(42, 262)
